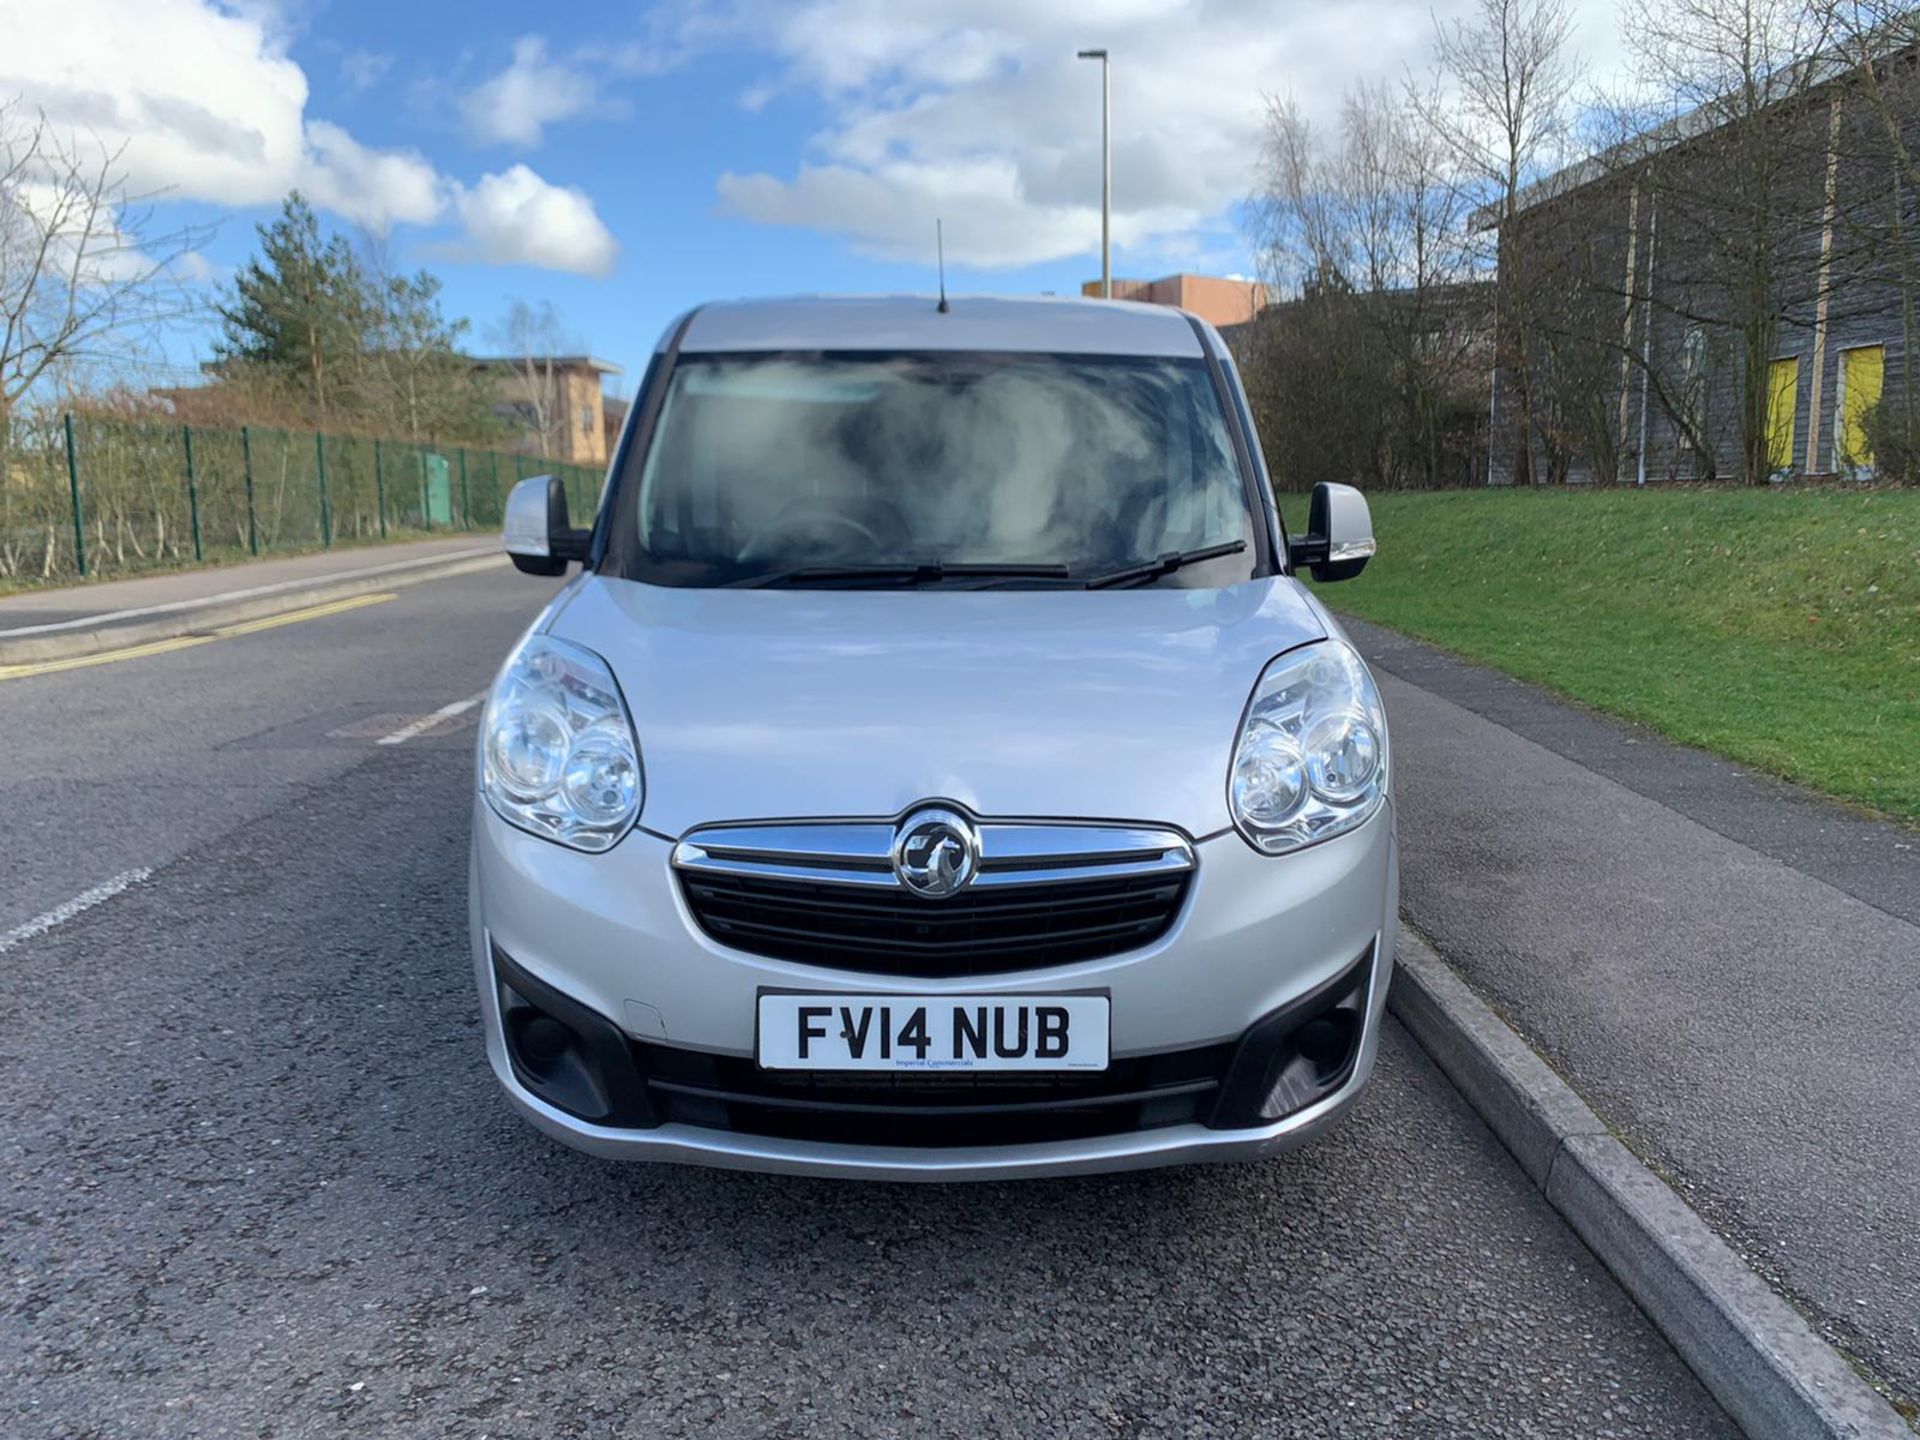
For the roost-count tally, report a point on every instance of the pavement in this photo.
(38, 625)
(257, 1179)
(1725, 967)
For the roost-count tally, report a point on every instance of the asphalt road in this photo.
(1726, 967)
(133, 764)
(257, 1179)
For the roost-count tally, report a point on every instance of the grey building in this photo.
(1726, 296)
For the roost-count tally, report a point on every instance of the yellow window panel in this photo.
(1861, 373)
(1783, 397)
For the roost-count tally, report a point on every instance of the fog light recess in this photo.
(567, 1054)
(1300, 1054)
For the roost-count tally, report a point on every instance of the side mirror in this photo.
(1339, 538)
(538, 538)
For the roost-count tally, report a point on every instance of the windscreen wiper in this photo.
(1165, 565)
(926, 572)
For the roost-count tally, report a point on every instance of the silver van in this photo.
(936, 769)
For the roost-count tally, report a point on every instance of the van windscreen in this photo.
(817, 466)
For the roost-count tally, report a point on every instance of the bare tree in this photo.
(1881, 40)
(1736, 181)
(1504, 108)
(531, 338)
(416, 382)
(1510, 73)
(1359, 229)
(78, 260)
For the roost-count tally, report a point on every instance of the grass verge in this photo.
(1780, 628)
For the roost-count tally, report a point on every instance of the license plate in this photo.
(910, 1032)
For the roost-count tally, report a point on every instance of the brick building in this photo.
(1213, 298)
(555, 403)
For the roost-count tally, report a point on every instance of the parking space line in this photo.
(78, 905)
(427, 722)
(187, 642)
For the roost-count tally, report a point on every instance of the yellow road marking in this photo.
(187, 642)
(78, 662)
(294, 617)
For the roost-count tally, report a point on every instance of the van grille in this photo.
(824, 894)
(978, 932)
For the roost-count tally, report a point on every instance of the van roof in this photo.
(1044, 324)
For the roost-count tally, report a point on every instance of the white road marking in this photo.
(427, 722)
(307, 582)
(78, 905)
(187, 642)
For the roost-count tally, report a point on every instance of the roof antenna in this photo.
(940, 245)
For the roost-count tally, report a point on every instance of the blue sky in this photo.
(625, 160)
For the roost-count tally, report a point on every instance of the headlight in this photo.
(1311, 758)
(557, 751)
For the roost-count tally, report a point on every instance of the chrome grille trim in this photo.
(1012, 852)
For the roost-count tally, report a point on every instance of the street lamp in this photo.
(1106, 169)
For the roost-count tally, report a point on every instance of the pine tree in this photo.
(316, 332)
(300, 311)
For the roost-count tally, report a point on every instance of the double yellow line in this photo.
(187, 642)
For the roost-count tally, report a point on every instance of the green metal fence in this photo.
(85, 495)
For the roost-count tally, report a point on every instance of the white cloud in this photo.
(977, 111)
(667, 36)
(364, 69)
(203, 103)
(515, 106)
(375, 188)
(59, 226)
(889, 211)
(190, 267)
(517, 218)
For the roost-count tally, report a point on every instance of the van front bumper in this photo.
(606, 943)
(1135, 1150)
